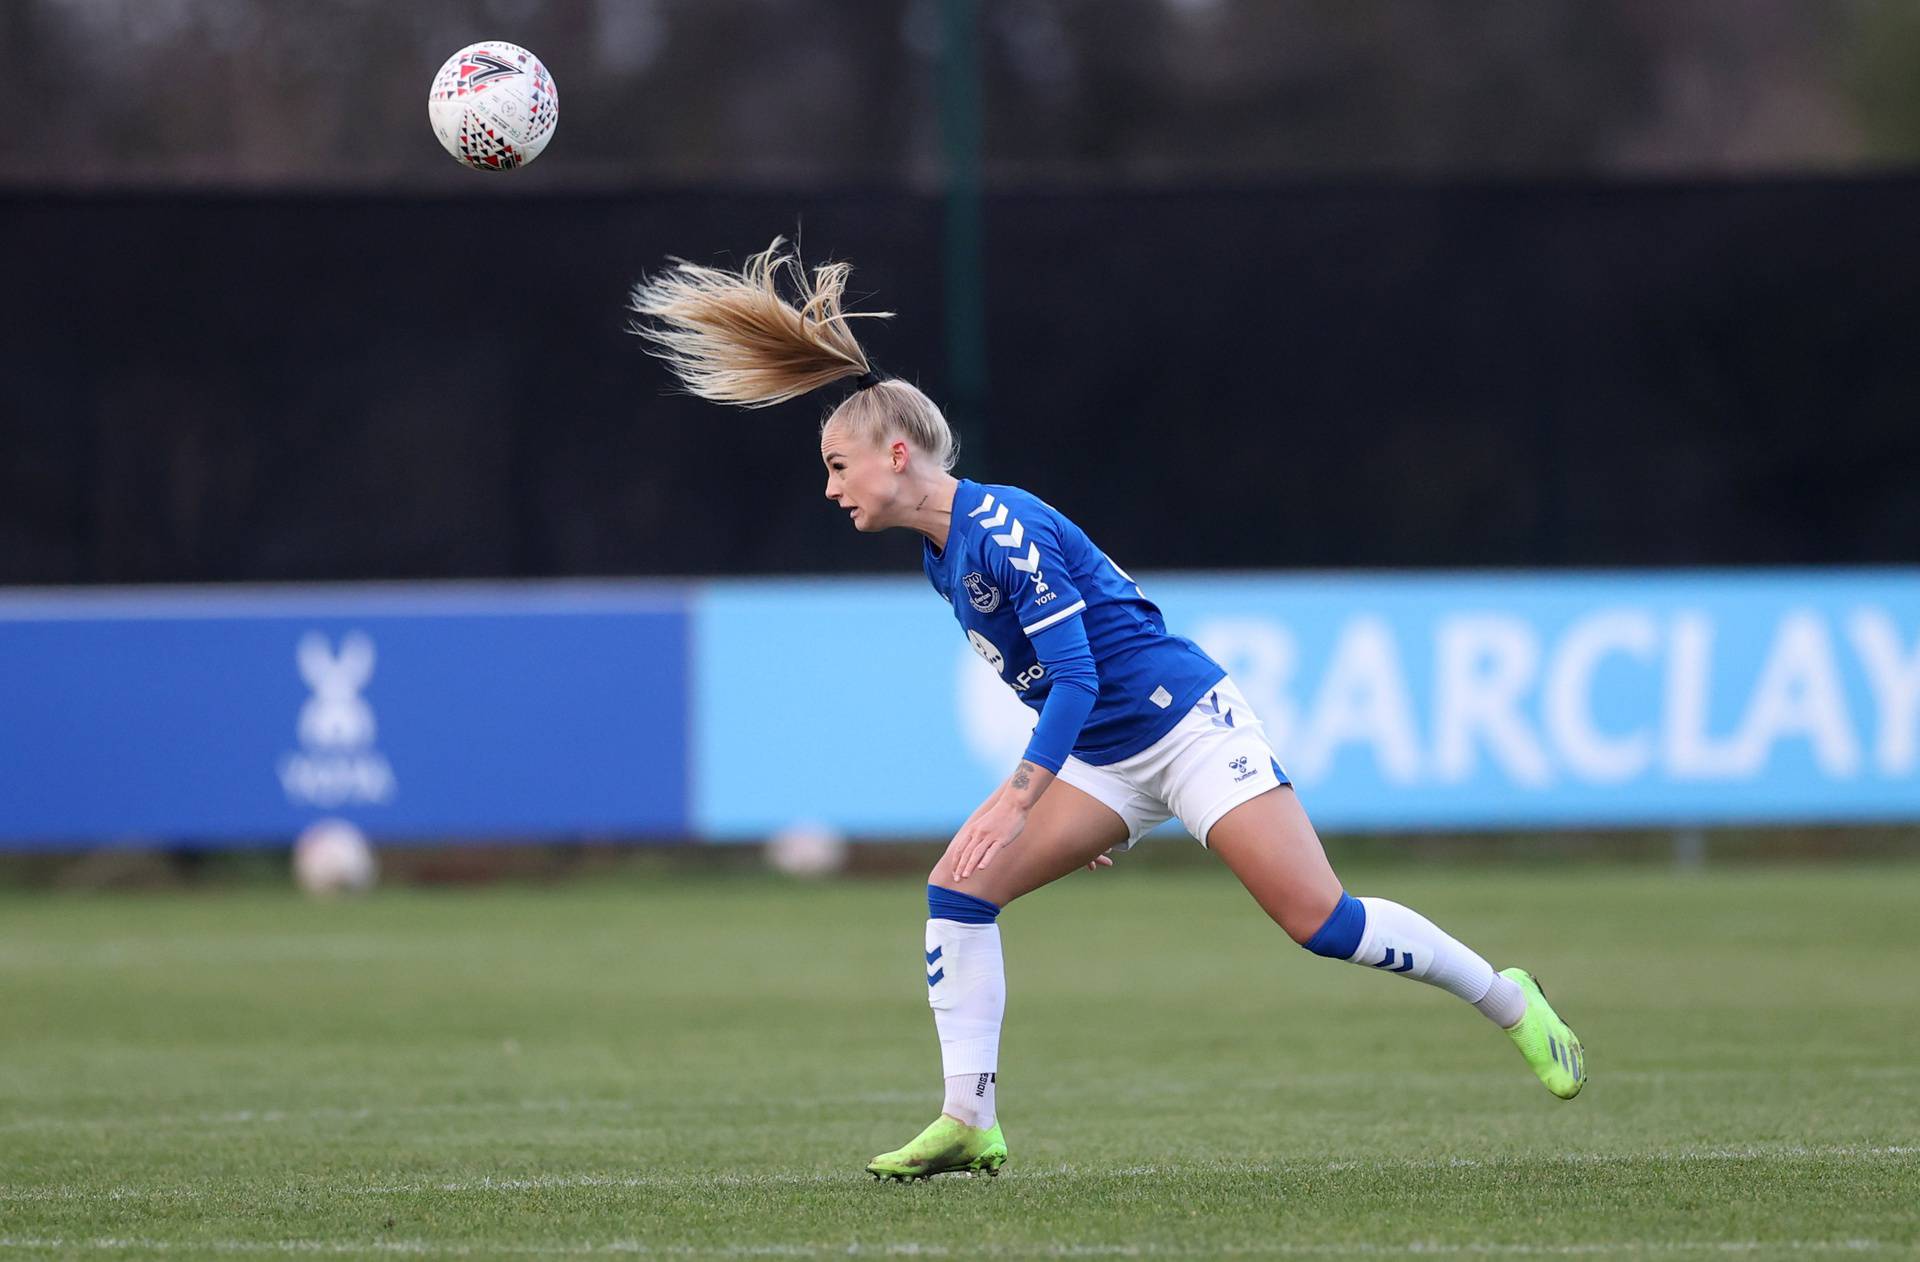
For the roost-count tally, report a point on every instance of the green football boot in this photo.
(1543, 1038)
(949, 1144)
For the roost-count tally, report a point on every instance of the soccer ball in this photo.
(494, 106)
(333, 857)
(808, 850)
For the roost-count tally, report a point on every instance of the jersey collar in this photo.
(942, 562)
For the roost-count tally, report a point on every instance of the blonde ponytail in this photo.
(733, 337)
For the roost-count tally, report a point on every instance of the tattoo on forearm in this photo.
(1022, 775)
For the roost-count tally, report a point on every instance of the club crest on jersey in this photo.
(980, 594)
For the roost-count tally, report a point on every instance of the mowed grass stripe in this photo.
(490, 1186)
(271, 1117)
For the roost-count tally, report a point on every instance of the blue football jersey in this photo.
(1014, 566)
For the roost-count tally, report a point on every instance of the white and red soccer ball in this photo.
(494, 106)
(333, 857)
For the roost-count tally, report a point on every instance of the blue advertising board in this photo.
(1396, 701)
(230, 715)
(729, 710)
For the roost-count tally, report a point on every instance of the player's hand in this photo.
(984, 836)
(1100, 861)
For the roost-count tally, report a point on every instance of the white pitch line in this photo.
(629, 1247)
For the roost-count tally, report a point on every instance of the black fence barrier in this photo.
(228, 387)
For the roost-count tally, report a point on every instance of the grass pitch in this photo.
(699, 1067)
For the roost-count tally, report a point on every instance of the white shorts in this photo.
(1214, 759)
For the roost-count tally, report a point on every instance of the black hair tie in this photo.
(864, 381)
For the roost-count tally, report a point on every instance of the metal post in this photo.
(964, 235)
(1689, 850)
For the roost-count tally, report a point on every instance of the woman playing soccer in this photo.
(1136, 725)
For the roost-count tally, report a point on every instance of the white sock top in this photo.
(970, 1098)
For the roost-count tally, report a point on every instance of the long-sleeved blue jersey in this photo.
(1068, 630)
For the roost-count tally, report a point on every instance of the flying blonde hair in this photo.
(734, 337)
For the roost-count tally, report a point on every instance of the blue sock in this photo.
(946, 904)
(1340, 936)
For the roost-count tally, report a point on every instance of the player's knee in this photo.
(1334, 932)
(1302, 928)
(1307, 917)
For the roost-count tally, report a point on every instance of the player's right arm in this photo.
(1011, 785)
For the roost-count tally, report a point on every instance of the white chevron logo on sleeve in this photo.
(1015, 535)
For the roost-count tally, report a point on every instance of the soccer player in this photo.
(1135, 725)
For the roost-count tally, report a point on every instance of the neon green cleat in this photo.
(949, 1144)
(1543, 1038)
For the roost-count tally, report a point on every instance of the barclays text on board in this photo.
(730, 709)
(1396, 701)
(1647, 699)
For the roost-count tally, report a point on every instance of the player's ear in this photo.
(897, 454)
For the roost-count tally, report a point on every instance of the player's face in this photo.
(861, 478)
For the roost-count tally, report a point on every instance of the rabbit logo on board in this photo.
(337, 763)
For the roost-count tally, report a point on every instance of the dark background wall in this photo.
(818, 93)
(232, 387)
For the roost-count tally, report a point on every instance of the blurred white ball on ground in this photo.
(333, 857)
(807, 850)
(494, 106)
